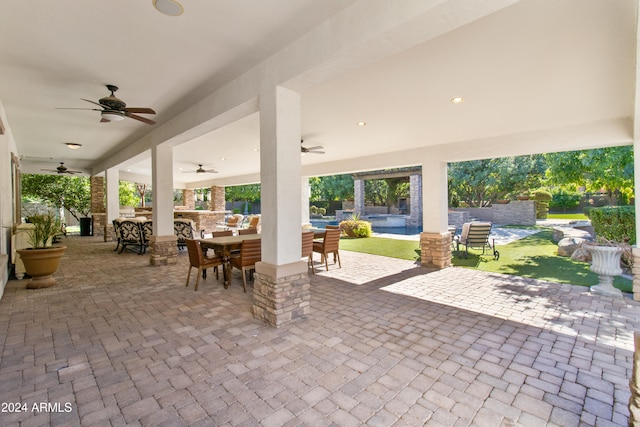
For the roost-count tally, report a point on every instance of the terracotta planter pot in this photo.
(606, 264)
(40, 264)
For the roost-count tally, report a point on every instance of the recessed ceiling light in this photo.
(168, 7)
(457, 100)
(73, 145)
(256, 149)
(361, 123)
(221, 158)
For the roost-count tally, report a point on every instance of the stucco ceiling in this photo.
(561, 70)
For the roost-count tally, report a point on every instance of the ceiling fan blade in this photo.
(317, 147)
(103, 120)
(139, 110)
(88, 109)
(140, 118)
(316, 152)
(92, 102)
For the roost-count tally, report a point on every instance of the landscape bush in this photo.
(355, 227)
(617, 224)
(542, 198)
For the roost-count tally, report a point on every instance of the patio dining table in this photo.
(224, 245)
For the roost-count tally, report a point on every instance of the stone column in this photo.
(358, 196)
(415, 201)
(189, 199)
(217, 199)
(435, 240)
(98, 213)
(163, 243)
(634, 383)
(281, 282)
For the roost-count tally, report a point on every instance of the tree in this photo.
(70, 192)
(478, 182)
(328, 188)
(609, 169)
(127, 194)
(247, 193)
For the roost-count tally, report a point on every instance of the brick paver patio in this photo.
(118, 342)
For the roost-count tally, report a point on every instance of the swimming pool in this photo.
(406, 231)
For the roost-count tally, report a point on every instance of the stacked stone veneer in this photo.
(203, 220)
(280, 300)
(163, 250)
(98, 210)
(636, 274)
(189, 199)
(217, 199)
(515, 213)
(415, 201)
(435, 250)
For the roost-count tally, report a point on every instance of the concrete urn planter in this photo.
(606, 264)
(40, 264)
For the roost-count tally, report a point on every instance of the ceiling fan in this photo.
(201, 170)
(314, 150)
(113, 109)
(61, 169)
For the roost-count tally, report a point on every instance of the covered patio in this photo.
(387, 342)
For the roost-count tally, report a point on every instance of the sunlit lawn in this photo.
(575, 216)
(534, 256)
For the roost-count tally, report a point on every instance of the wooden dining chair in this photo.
(243, 231)
(329, 245)
(245, 261)
(199, 261)
(307, 248)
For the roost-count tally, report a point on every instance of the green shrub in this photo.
(542, 198)
(617, 224)
(355, 227)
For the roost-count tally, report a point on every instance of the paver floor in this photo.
(118, 342)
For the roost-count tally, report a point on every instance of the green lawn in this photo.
(576, 216)
(534, 257)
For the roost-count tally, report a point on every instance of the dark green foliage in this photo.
(616, 224)
(564, 200)
(70, 192)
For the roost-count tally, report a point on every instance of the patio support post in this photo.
(281, 289)
(163, 243)
(305, 191)
(358, 196)
(112, 186)
(435, 240)
(189, 199)
(415, 200)
(98, 214)
(217, 199)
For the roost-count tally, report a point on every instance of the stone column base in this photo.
(98, 223)
(163, 250)
(281, 293)
(109, 233)
(435, 250)
(636, 274)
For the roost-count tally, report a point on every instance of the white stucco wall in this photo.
(7, 146)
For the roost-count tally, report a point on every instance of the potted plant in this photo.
(41, 260)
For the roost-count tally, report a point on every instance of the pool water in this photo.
(405, 231)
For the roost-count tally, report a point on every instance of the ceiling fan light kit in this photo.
(112, 116)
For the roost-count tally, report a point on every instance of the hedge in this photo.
(617, 224)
